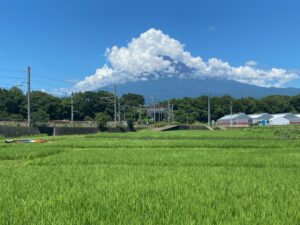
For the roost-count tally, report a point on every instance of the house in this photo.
(284, 119)
(262, 119)
(240, 119)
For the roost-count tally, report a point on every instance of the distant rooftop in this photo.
(278, 115)
(256, 116)
(228, 117)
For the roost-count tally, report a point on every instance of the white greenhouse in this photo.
(284, 119)
(240, 119)
(261, 119)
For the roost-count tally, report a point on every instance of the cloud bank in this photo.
(148, 57)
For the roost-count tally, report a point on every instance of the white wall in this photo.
(279, 121)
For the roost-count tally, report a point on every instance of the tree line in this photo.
(89, 106)
(195, 109)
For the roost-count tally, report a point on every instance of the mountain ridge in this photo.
(174, 87)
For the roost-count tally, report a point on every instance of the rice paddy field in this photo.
(249, 176)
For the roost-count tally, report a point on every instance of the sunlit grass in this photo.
(246, 176)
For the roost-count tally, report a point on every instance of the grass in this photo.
(249, 176)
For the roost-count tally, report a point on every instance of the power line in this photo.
(12, 70)
(49, 78)
(13, 78)
(44, 83)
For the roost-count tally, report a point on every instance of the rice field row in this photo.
(249, 176)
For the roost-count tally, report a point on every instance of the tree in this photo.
(41, 101)
(89, 103)
(13, 101)
(295, 103)
(133, 100)
(40, 116)
(130, 105)
(88, 118)
(276, 104)
(100, 106)
(102, 119)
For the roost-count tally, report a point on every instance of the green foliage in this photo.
(130, 124)
(276, 104)
(131, 105)
(133, 100)
(102, 119)
(287, 132)
(195, 109)
(41, 101)
(88, 118)
(248, 176)
(87, 104)
(12, 102)
(40, 116)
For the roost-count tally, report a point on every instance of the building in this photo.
(240, 119)
(284, 119)
(262, 119)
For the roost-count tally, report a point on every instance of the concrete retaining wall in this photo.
(74, 130)
(46, 130)
(7, 131)
(118, 129)
(181, 127)
(192, 127)
(11, 131)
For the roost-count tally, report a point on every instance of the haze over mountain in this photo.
(156, 64)
(170, 87)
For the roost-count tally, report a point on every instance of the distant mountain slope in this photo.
(167, 88)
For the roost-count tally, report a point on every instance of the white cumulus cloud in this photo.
(251, 63)
(153, 55)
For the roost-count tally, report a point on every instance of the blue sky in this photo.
(65, 41)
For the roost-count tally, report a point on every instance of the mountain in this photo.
(170, 87)
(180, 84)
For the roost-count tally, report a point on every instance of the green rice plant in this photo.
(248, 176)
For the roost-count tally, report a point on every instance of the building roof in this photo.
(233, 116)
(275, 118)
(292, 119)
(257, 116)
(278, 115)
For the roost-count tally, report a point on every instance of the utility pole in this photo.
(231, 114)
(119, 113)
(208, 110)
(140, 113)
(115, 104)
(172, 113)
(28, 97)
(169, 112)
(72, 107)
(159, 116)
(124, 113)
(154, 110)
